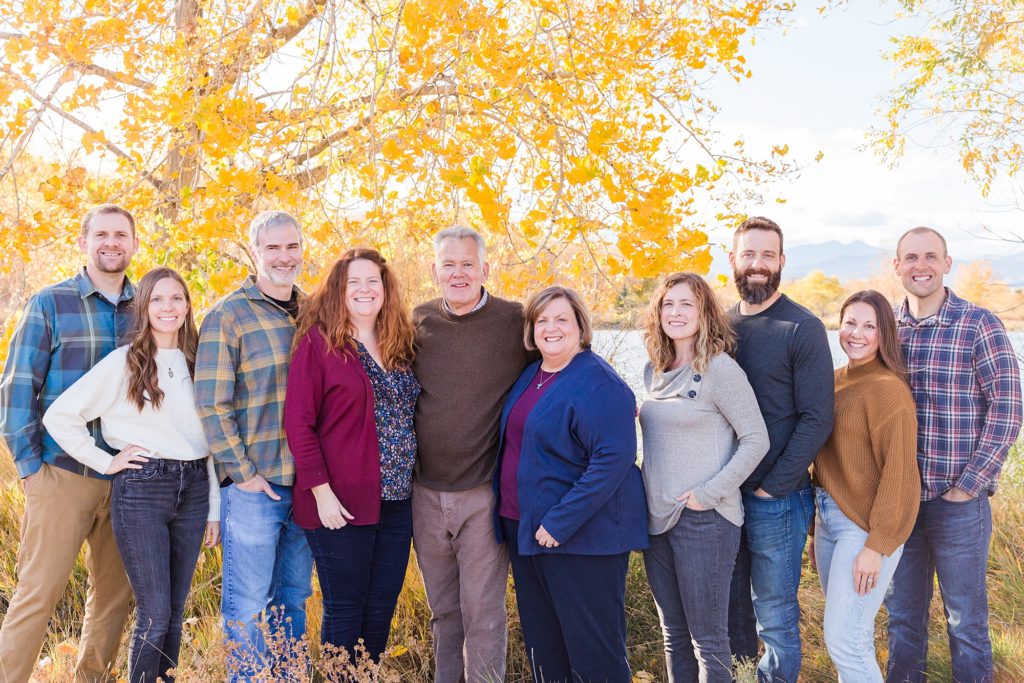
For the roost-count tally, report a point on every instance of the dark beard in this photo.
(757, 294)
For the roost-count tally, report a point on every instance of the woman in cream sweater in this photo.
(867, 486)
(703, 435)
(165, 497)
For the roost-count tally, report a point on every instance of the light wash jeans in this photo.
(267, 563)
(849, 617)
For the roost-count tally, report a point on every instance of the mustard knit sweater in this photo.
(869, 463)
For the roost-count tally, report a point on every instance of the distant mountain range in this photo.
(859, 260)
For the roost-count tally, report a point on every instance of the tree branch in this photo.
(96, 70)
(108, 145)
(231, 72)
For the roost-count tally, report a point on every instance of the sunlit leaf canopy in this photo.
(578, 135)
(962, 82)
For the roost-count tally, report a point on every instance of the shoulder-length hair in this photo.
(889, 350)
(325, 309)
(714, 334)
(536, 304)
(143, 374)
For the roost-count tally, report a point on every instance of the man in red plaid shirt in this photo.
(966, 382)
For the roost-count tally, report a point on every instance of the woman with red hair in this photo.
(349, 420)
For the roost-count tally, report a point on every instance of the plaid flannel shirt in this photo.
(241, 375)
(967, 385)
(65, 330)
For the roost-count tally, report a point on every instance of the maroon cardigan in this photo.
(332, 433)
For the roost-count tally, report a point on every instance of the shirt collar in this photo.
(87, 288)
(949, 312)
(254, 292)
(480, 304)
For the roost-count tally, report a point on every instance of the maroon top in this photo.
(329, 422)
(514, 426)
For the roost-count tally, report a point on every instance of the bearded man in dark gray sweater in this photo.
(784, 351)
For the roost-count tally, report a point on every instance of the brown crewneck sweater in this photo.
(869, 463)
(466, 365)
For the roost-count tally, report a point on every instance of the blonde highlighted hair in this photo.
(714, 334)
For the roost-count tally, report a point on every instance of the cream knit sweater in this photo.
(173, 432)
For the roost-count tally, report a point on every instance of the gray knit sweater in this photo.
(702, 431)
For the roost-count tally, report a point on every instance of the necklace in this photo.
(544, 380)
(170, 369)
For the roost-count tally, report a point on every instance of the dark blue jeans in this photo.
(951, 540)
(766, 580)
(573, 613)
(689, 568)
(159, 517)
(361, 571)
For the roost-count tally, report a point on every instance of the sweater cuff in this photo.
(882, 543)
(307, 480)
(702, 497)
(97, 459)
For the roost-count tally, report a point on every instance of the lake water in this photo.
(625, 350)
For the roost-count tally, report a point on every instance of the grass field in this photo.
(410, 660)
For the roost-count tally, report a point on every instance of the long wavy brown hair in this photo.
(889, 350)
(143, 374)
(714, 334)
(325, 309)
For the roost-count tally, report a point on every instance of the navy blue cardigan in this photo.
(577, 472)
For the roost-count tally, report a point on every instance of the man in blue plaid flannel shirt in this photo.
(65, 330)
(966, 382)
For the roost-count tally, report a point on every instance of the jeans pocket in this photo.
(146, 472)
(958, 503)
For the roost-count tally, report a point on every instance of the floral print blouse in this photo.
(394, 403)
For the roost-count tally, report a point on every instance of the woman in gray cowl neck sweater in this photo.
(702, 435)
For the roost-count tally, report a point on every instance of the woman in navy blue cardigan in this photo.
(571, 502)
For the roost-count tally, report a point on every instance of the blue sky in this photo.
(818, 85)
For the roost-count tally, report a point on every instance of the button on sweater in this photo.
(869, 463)
(702, 432)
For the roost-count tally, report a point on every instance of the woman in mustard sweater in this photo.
(867, 485)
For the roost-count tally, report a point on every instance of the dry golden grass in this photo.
(410, 659)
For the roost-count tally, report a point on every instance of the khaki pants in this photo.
(63, 509)
(465, 575)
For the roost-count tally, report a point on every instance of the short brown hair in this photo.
(917, 231)
(758, 223)
(104, 209)
(540, 300)
(714, 334)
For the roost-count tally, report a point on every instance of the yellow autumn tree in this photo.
(578, 134)
(964, 72)
(976, 282)
(821, 293)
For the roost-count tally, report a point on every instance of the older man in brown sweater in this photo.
(469, 353)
